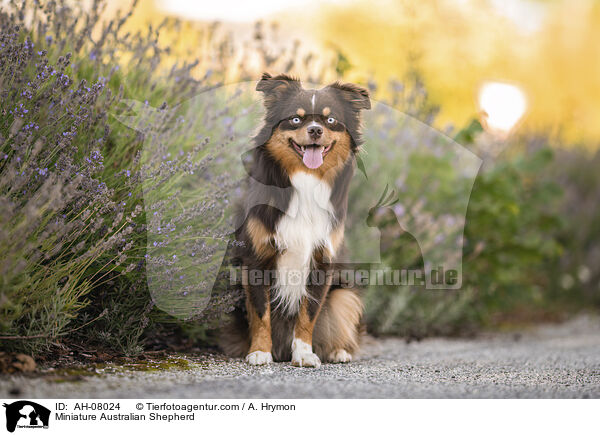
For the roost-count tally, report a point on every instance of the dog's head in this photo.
(311, 130)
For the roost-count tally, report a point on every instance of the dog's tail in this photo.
(339, 325)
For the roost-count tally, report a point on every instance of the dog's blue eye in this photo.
(331, 120)
(296, 120)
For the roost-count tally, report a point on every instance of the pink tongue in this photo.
(313, 157)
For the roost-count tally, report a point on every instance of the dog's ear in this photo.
(357, 96)
(278, 85)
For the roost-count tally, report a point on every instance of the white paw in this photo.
(340, 356)
(308, 359)
(259, 357)
(303, 356)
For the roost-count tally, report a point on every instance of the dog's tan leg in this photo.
(317, 289)
(302, 353)
(260, 330)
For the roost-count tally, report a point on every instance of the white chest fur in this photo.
(306, 225)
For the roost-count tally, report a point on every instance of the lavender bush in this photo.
(71, 227)
(64, 231)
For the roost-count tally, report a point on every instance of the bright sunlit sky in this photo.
(503, 104)
(541, 54)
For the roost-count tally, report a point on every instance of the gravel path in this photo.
(544, 362)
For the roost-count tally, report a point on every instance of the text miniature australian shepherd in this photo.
(300, 175)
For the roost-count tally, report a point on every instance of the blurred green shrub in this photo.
(511, 241)
(576, 274)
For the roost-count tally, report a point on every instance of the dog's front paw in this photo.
(259, 357)
(308, 359)
(340, 356)
(303, 356)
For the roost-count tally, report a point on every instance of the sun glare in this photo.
(504, 105)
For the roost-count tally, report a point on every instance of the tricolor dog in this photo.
(289, 244)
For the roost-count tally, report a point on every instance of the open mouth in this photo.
(312, 154)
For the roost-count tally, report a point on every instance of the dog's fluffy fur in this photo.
(300, 174)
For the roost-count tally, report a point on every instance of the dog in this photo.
(300, 173)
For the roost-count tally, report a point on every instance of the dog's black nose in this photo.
(315, 131)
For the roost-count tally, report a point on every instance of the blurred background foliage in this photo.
(73, 229)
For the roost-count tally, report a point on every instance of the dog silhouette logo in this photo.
(196, 160)
(26, 414)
